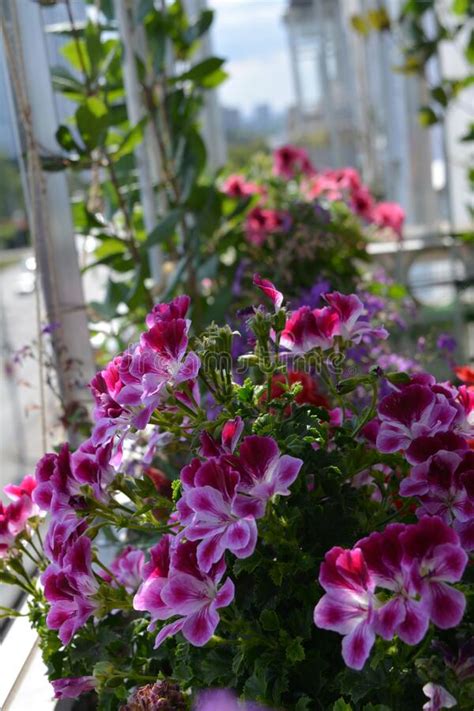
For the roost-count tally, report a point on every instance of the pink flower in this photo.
(91, 465)
(348, 178)
(413, 566)
(178, 588)
(352, 323)
(436, 559)
(70, 587)
(388, 214)
(269, 290)
(438, 697)
(13, 521)
(56, 486)
(215, 521)
(261, 222)
(348, 605)
(237, 187)
(289, 161)
(362, 202)
(323, 184)
(224, 700)
(62, 533)
(72, 687)
(414, 411)
(307, 329)
(175, 309)
(25, 488)
(127, 569)
(444, 484)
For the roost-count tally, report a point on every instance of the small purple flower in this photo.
(72, 687)
(224, 700)
(127, 569)
(446, 342)
(438, 697)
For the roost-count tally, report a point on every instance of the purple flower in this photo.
(438, 697)
(348, 606)
(127, 569)
(212, 515)
(178, 588)
(413, 566)
(446, 342)
(416, 410)
(72, 687)
(91, 465)
(56, 487)
(69, 587)
(352, 318)
(223, 700)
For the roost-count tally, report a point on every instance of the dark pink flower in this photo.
(215, 520)
(91, 464)
(70, 587)
(388, 214)
(237, 187)
(436, 558)
(424, 447)
(261, 222)
(56, 486)
(13, 521)
(72, 687)
(269, 290)
(25, 488)
(414, 411)
(444, 485)
(310, 328)
(175, 309)
(127, 569)
(348, 605)
(438, 697)
(352, 322)
(289, 161)
(62, 533)
(186, 592)
(362, 202)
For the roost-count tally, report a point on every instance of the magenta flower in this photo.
(13, 521)
(414, 411)
(290, 161)
(69, 587)
(264, 473)
(72, 687)
(444, 484)
(91, 465)
(212, 515)
(438, 697)
(424, 447)
(436, 558)
(185, 592)
(310, 328)
(25, 488)
(352, 315)
(127, 569)
(223, 700)
(388, 214)
(269, 290)
(261, 222)
(176, 309)
(348, 605)
(56, 486)
(237, 187)
(62, 533)
(230, 436)
(413, 566)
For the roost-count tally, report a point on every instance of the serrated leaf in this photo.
(341, 705)
(269, 621)
(295, 651)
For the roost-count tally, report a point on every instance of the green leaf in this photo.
(165, 229)
(144, 9)
(469, 50)
(67, 141)
(76, 54)
(469, 136)
(131, 140)
(64, 82)
(427, 116)
(199, 28)
(379, 19)
(341, 705)
(303, 704)
(91, 120)
(295, 651)
(460, 7)
(94, 47)
(360, 25)
(269, 621)
(200, 71)
(439, 95)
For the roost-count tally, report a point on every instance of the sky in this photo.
(251, 35)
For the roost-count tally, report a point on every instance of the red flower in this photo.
(465, 373)
(308, 396)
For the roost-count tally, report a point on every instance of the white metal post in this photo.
(48, 200)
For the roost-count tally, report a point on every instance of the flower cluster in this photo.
(392, 583)
(345, 318)
(223, 497)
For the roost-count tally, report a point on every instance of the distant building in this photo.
(231, 119)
